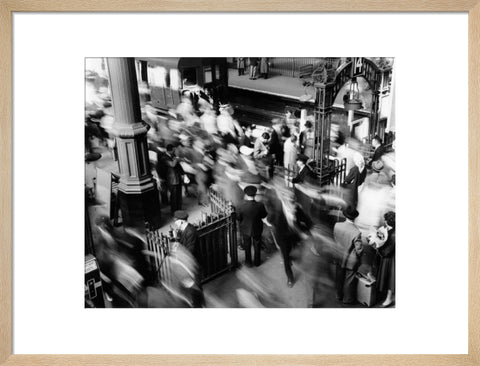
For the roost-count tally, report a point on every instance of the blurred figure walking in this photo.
(281, 232)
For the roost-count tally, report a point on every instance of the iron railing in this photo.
(158, 246)
(216, 248)
(334, 173)
(217, 244)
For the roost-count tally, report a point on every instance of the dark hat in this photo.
(250, 191)
(303, 158)
(390, 218)
(180, 215)
(350, 213)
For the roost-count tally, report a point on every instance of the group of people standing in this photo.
(257, 66)
(366, 240)
(372, 257)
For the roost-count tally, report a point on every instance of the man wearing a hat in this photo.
(305, 174)
(349, 246)
(378, 175)
(248, 139)
(250, 214)
(173, 176)
(187, 233)
(261, 152)
(380, 149)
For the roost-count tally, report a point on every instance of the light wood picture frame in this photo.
(8, 7)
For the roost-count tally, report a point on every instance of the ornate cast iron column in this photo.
(323, 120)
(138, 193)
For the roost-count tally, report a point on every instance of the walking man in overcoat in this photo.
(250, 215)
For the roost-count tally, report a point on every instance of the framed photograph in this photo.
(239, 210)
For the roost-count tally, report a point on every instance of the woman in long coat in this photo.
(307, 140)
(355, 179)
(290, 152)
(386, 268)
(264, 67)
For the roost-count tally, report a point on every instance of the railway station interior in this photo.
(240, 182)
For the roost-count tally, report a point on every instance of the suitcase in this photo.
(366, 291)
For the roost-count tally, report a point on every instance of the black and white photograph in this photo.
(240, 182)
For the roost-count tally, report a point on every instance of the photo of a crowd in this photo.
(206, 186)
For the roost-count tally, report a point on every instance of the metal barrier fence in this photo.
(216, 248)
(334, 173)
(218, 237)
(217, 243)
(218, 203)
(158, 246)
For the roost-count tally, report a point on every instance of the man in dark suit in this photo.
(275, 147)
(250, 215)
(173, 178)
(305, 174)
(248, 139)
(187, 233)
(380, 149)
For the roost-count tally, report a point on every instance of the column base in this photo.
(140, 208)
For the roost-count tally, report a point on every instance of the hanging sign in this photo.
(357, 66)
